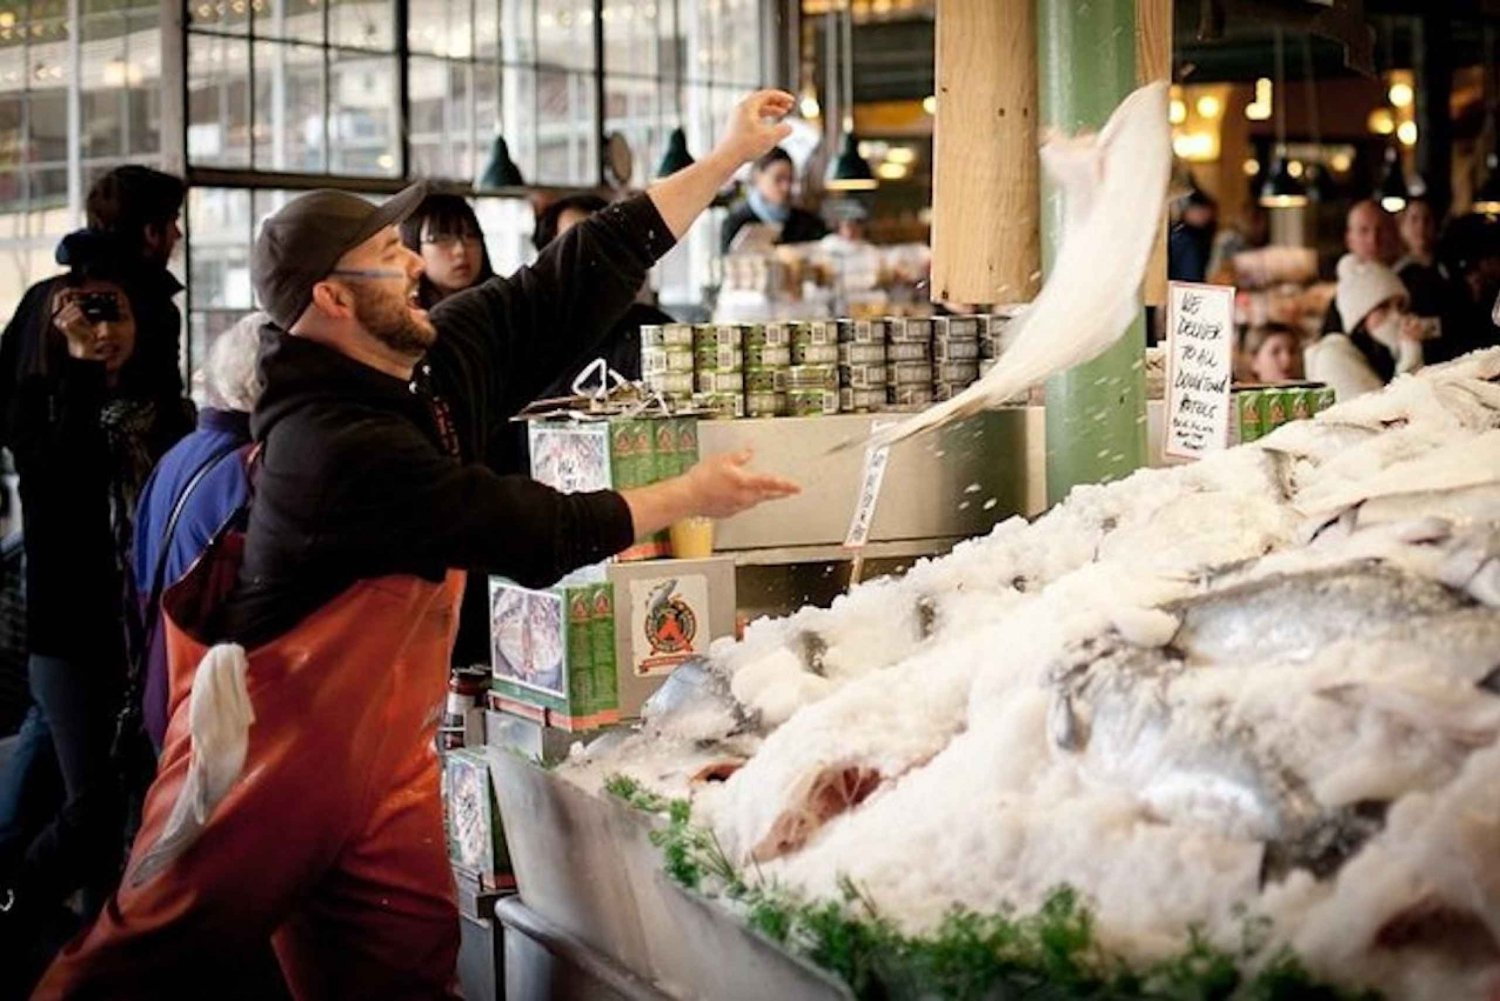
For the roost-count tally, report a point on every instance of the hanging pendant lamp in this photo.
(849, 171)
(677, 156)
(1281, 190)
(1392, 194)
(500, 171)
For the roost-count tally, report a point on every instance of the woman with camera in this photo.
(84, 420)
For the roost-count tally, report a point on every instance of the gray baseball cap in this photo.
(300, 244)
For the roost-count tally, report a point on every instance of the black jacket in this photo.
(78, 480)
(801, 226)
(357, 479)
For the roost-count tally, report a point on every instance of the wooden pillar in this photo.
(985, 240)
(1153, 61)
(1432, 57)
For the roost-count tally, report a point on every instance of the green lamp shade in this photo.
(1282, 190)
(677, 156)
(501, 171)
(849, 171)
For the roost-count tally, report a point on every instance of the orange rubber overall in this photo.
(331, 843)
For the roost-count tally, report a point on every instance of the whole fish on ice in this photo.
(1113, 184)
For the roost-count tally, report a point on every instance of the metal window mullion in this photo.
(403, 87)
(327, 92)
(599, 90)
(75, 112)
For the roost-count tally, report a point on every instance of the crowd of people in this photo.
(293, 554)
(1405, 295)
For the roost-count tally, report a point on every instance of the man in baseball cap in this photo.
(297, 797)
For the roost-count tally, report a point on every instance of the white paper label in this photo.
(1200, 368)
(668, 621)
(876, 460)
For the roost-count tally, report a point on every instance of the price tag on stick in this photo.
(870, 481)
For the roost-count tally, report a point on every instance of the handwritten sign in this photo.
(876, 460)
(1200, 368)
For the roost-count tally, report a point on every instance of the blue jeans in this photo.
(46, 851)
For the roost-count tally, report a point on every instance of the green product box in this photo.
(542, 647)
(1303, 400)
(1275, 409)
(1324, 397)
(602, 637)
(1247, 406)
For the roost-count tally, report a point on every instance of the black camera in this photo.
(99, 307)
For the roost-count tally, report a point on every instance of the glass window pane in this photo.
(441, 137)
(565, 33)
(219, 223)
(293, 20)
(362, 24)
(634, 36)
(567, 151)
(518, 42)
(632, 109)
(228, 16)
(48, 127)
(441, 27)
(218, 102)
(365, 130)
(289, 108)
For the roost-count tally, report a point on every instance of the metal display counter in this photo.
(598, 918)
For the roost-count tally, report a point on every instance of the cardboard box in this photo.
(666, 612)
(542, 645)
(476, 838)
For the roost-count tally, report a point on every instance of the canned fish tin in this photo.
(909, 373)
(818, 332)
(765, 404)
(911, 396)
(944, 391)
(808, 377)
(861, 354)
(677, 335)
(773, 335)
(990, 347)
(985, 365)
(856, 401)
(765, 380)
(815, 354)
(908, 351)
(671, 383)
(729, 358)
(1247, 405)
(956, 371)
(869, 331)
(666, 360)
(955, 328)
(767, 355)
(730, 334)
(862, 376)
(949, 350)
(722, 382)
(908, 330)
(651, 336)
(721, 404)
(812, 402)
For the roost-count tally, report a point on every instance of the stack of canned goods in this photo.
(1259, 410)
(862, 366)
(768, 359)
(908, 347)
(813, 379)
(956, 347)
(667, 361)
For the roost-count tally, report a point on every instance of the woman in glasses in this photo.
(445, 231)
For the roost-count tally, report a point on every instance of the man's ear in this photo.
(333, 300)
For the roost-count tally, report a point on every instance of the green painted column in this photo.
(1096, 412)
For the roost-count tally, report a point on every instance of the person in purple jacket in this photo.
(203, 480)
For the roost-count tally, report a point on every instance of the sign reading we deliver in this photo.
(1200, 368)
